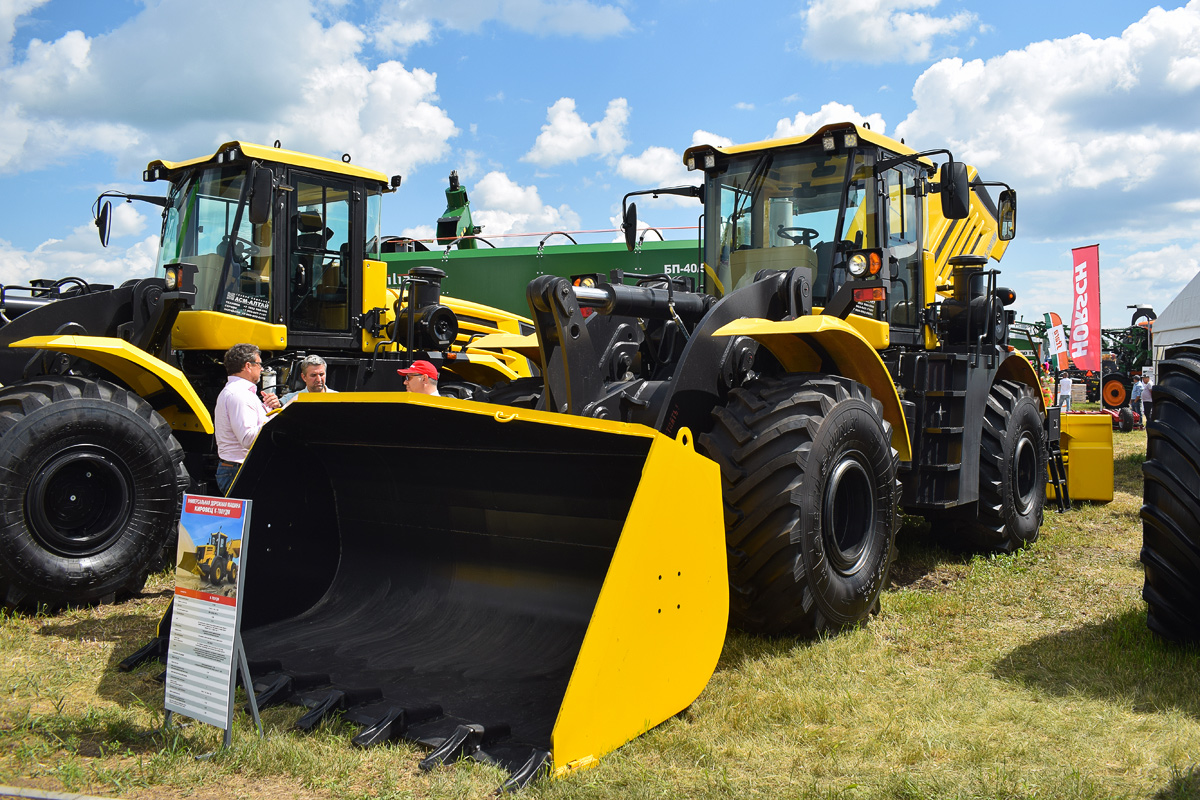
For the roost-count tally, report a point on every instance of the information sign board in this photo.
(205, 647)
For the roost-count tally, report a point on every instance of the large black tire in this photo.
(1012, 473)
(1171, 499)
(810, 490)
(1117, 390)
(92, 485)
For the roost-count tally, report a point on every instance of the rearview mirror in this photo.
(630, 226)
(955, 190)
(1008, 215)
(262, 186)
(104, 223)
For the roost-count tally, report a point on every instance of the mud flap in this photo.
(492, 582)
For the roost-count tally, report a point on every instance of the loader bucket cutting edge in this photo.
(552, 584)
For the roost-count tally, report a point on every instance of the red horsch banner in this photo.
(1085, 311)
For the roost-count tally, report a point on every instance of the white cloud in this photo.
(566, 137)
(404, 23)
(830, 112)
(662, 166)
(10, 12)
(656, 166)
(127, 220)
(425, 233)
(395, 36)
(1153, 277)
(111, 95)
(876, 31)
(80, 255)
(715, 139)
(1096, 134)
(503, 206)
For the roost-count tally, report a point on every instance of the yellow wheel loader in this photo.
(216, 562)
(533, 574)
(107, 398)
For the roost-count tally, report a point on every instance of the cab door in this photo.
(905, 294)
(325, 221)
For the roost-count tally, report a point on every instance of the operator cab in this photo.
(813, 205)
(274, 241)
(843, 203)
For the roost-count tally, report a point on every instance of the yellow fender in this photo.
(1017, 368)
(140, 371)
(214, 330)
(797, 344)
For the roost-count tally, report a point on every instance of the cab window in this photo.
(320, 268)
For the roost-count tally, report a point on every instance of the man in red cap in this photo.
(420, 377)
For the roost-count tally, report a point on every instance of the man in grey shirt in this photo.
(312, 372)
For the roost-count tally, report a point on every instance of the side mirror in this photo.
(1008, 215)
(629, 223)
(104, 223)
(955, 190)
(262, 193)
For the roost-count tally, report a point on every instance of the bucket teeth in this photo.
(331, 701)
(393, 724)
(539, 762)
(275, 690)
(463, 743)
(272, 692)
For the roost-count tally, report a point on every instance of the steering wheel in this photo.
(806, 237)
(242, 248)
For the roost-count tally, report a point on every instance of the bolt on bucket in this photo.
(526, 588)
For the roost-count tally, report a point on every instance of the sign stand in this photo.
(244, 671)
(206, 654)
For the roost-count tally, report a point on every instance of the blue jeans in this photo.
(225, 476)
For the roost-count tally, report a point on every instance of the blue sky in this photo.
(551, 110)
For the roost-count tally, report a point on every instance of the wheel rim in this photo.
(1025, 474)
(849, 514)
(1115, 394)
(79, 501)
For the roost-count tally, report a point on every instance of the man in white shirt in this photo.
(240, 413)
(312, 372)
(1064, 392)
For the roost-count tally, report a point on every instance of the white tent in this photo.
(1180, 322)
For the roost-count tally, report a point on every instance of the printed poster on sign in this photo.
(209, 561)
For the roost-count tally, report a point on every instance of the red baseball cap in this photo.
(420, 368)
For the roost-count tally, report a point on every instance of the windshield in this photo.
(207, 224)
(783, 210)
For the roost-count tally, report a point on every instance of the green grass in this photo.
(1031, 675)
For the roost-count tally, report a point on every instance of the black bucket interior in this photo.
(440, 557)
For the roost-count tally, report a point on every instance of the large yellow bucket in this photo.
(531, 589)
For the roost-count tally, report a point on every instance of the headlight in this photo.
(858, 265)
(172, 279)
